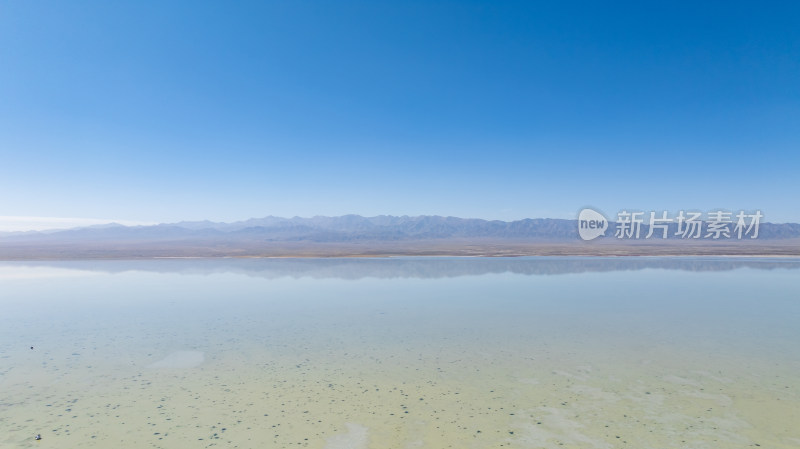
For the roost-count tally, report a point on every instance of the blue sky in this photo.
(168, 111)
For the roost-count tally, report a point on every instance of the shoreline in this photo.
(414, 256)
(462, 247)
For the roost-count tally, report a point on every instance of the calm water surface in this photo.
(401, 353)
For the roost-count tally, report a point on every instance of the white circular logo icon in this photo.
(591, 224)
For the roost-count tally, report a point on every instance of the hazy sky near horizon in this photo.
(169, 111)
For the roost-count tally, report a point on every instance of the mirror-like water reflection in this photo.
(440, 352)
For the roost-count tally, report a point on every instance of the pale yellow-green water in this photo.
(526, 353)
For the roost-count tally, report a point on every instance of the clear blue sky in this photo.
(165, 111)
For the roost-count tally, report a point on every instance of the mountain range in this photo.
(348, 235)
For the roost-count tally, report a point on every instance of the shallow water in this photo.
(401, 353)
